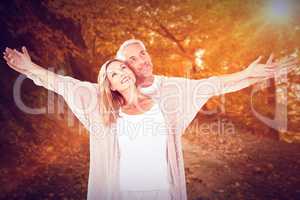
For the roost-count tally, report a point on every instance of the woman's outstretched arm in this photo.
(21, 62)
(81, 96)
(61, 84)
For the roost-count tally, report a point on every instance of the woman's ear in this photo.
(113, 89)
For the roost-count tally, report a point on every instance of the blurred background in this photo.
(229, 152)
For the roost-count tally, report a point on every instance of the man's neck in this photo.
(146, 81)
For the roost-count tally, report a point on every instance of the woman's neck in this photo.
(131, 96)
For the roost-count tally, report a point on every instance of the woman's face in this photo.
(120, 76)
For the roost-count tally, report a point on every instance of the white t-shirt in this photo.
(142, 141)
(152, 89)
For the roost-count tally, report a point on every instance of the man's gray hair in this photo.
(120, 53)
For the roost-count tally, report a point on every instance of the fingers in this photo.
(287, 59)
(7, 57)
(290, 68)
(10, 63)
(257, 60)
(283, 63)
(12, 54)
(24, 50)
(270, 59)
(267, 78)
(17, 53)
(292, 63)
(270, 70)
(9, 52)
(286, 69)
(267, 74)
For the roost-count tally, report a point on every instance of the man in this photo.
(185, 97)
(135, 54)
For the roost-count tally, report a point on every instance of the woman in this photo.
(142, 133)
(129, 139)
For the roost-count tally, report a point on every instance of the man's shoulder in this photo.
(187, 79)
(168, 83)
(159, 77)
(167, 79)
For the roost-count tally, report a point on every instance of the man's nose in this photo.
(141, 60)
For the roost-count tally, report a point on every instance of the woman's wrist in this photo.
(33, 69)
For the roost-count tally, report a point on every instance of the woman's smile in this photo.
(125, 79)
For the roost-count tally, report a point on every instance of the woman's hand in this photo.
(19, 61)
(268, 70)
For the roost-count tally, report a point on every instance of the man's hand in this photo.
(19, 61)
(286, 65)
(268, 70)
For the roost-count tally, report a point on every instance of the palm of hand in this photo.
(269, 70)
(16, 59)
(261, 70)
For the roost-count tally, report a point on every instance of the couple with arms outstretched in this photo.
(135, 119)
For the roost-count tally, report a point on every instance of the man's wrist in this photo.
(246, 73)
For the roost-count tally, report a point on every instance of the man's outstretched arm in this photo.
(255, 73)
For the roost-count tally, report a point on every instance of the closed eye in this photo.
(132, 58)
(143, 53)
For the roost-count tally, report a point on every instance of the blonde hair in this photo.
(120, 53)
(110, 101)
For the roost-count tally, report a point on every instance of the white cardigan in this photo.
(179, 99)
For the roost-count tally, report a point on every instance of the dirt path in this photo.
(241, 166)
(218, 167)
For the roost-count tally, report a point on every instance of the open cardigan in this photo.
(179, 99)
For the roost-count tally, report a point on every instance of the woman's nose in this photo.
(122, 74)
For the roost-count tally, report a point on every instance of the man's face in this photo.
(139, 60)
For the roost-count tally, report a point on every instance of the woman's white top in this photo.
(142, 141)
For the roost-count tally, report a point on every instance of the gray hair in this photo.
(120, 53)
